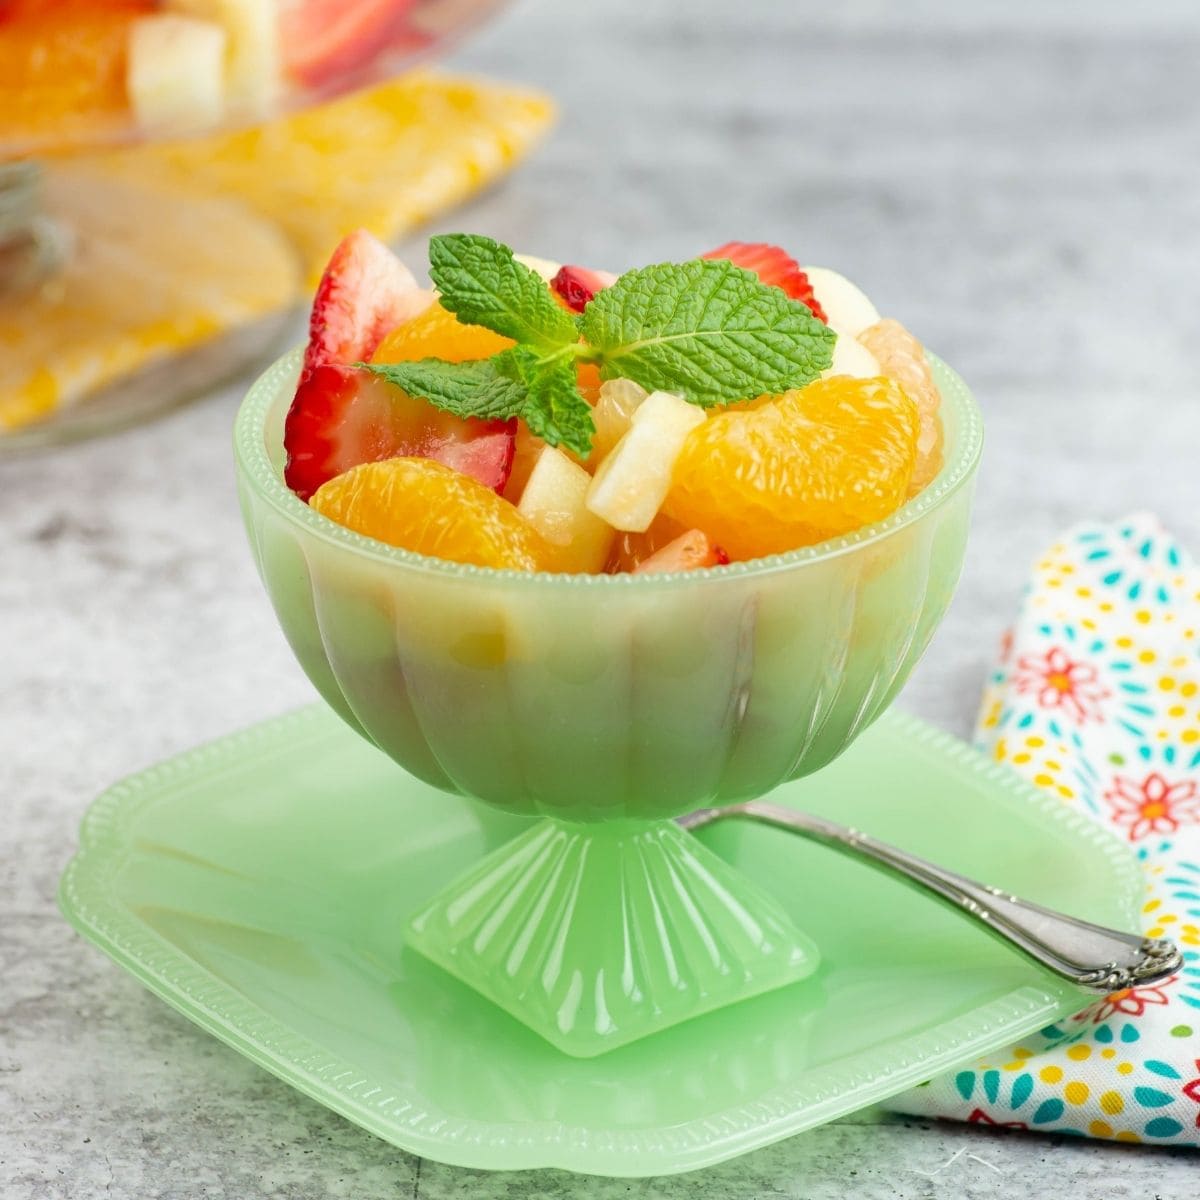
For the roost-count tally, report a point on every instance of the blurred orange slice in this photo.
(62, 65)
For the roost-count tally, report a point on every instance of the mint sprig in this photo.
(706, 329)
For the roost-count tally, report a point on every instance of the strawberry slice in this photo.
(324, 40)
(577, 285)
(773, 266)
(688, 552)
(343, 416)
(365, 293)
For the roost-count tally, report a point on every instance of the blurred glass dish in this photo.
(134, 279)
(145, 299)
(81, 73)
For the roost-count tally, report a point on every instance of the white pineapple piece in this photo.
(631, 483)
(851, 357)
(846, 306)
(613, 414)
(176, 74)
(554, 502)
(253, 59)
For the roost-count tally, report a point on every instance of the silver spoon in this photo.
(1090, 956)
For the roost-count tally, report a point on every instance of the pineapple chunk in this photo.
(851, 357)
(847, 308)
(613, 414)
(631, 483)
(176, 74)
(554, 503)
(253, 63)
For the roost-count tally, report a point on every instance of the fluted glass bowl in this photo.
(607, 704)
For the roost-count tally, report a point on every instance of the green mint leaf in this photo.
(707, 329)
(470, 389)
(482, 284)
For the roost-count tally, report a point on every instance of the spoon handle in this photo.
(1090, 956)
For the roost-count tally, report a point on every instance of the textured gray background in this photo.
(1020, 188)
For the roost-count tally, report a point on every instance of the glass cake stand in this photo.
(121, 298)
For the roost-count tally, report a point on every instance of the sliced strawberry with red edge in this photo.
(688, 552)
(577, 285)
(324, 40)
(773, 266)
(343, 416)
(365, 293)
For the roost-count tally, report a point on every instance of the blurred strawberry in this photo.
(326, 39)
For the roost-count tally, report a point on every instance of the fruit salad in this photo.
(525, 415)
(79, 70)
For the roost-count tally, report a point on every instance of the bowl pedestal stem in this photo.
(597, 935)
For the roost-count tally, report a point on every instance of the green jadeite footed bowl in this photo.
(606, 704)
(590, 697)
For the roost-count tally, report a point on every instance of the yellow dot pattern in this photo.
(1046, 762)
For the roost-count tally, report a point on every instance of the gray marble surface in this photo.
(1019, 187)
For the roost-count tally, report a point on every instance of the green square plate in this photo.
(261, 885)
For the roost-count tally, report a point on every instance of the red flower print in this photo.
(1132, 1002)
(1006, 644)
(1060, 682)
(1154, 805)
(979, 1117)
(1192, 1091)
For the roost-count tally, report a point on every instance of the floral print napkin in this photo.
(1096, 698)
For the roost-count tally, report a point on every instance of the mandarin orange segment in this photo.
(811, 465)
(431, 509)
(902, 358)
(438, 333)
